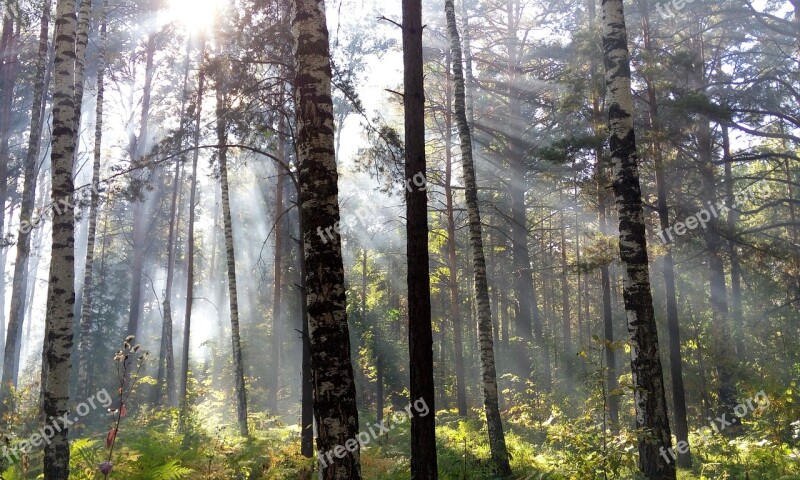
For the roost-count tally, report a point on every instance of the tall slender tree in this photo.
(649, 396)
(223, 71)
(190, 248)
(85, 340)
(452, 256)
(9, 63)
(11, 353)
(497, 441)
(673, 323)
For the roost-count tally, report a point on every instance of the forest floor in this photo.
(554, 449)
(543, 442)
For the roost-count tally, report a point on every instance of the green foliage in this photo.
(170, 471)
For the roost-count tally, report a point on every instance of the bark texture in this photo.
(61, 286)
(649, 396)
(452, 259)
(334, 386)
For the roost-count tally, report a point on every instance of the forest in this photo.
(420, 239)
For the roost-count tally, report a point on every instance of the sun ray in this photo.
(194, 15)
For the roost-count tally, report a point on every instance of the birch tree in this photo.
(497, 440)
(61, 287)
(222, 151)
(649, 397)
(334, 386)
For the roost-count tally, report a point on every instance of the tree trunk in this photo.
(497, 440)
(61, 286)
(420, 335)
(724, 362)
(222, 149)
(187, 320)
(85, 345)
(566, 321)
(166, 357)
(736, 267)
(673, 323)
(277, 293)
(139, 208)
(334, 385)
(81, 42)
(608, 315)
(307, 379)
(452, 262)
(9, 47)
(649, 396)
(11, 354)
(523, 283)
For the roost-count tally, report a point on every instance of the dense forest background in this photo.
(188, 161)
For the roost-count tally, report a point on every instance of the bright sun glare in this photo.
(195, 15)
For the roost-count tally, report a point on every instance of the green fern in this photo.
(170, 471)
(84, 458)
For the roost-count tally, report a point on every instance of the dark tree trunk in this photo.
(277, 293)
(673, 323)
(9, 56)
(139, 209)
(233, 295)
(166, 357)
(608, 315)
(737, 314)
(420, 335)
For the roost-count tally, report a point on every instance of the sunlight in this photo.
(194, 15)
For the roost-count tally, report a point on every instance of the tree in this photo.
(334, 385)
(85, 340)
(673, 324)
(61, 287)
(452, 257)
(222, 151)
(190, 249)
(420, 334)
(648, 380)
(19, 286)
(497, 440)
